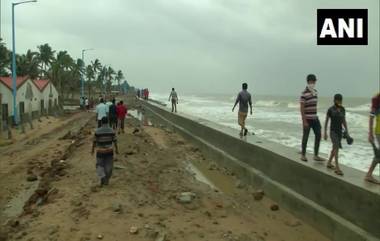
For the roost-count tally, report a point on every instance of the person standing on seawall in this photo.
(375, 112)
(174, 98)
(243, 98)
(308, 107)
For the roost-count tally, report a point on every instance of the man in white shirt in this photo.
(101, 111)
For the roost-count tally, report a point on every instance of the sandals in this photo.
(338, 172)
(372, 180)
(303, 158)
(319, 159)
(330, 166)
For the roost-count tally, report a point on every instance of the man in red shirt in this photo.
(121, 112)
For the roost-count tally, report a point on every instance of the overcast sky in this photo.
(205, 46)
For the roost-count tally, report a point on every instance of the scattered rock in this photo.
(212, 166)
(239, 184)
(133, 230)
(294, 223)
(161, 237)
(100, 236)
(13, 223)
(32, 178)
(274, 207)
(118, 166)
(258, 194)
(186, 197)
(116, 207)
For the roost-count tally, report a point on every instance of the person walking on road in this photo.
(104, 143)
(373, 137)
(174, 99)
(337, 114)
(121, 111)
(101, 112)
(243, 98)
(308, 108)
(112, 115)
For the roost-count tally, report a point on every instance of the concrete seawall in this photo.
(343, 208)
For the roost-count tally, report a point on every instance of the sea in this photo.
(277, 118)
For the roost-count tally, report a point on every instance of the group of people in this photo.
(143, 93)
(84, 103)
(114, 113)
(110, 116)
(336, 116)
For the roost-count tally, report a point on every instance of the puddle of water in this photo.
(141, 117)
(199, 175)
(15, 206)
(215, 179)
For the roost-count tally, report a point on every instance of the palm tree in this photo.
(96, 67)
(65, 73)
(110, 77)
(119, 76)
(5, 60)
(90, 75)
(46, 56)
(27, 64)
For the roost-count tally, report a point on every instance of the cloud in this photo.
(205, 46)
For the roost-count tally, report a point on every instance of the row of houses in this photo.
(34, 97)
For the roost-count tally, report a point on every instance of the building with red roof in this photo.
(33, 96)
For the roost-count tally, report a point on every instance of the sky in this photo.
(205, 46)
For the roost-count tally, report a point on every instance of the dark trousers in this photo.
(104, 166)
(316, 126)
(99, 123)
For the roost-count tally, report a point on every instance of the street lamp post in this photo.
(83, 69)
(14, 75)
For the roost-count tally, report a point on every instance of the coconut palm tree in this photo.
(119, 76)
(27, 64)
(90, 75)
(46, 57)
(5, 60)
(110, 77)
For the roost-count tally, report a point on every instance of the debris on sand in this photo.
(258, 194)
(133, 230)
(32, 178)
(274, 207)
(186, 197)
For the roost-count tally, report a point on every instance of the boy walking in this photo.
(308, 107)
(121, 111)
(104, 140)
(174, 98)
(337, 115)
(243, 98)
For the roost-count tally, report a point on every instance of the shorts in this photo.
(241, 118)
(174, 101)
(336, 140)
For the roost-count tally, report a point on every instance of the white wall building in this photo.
(32, 96)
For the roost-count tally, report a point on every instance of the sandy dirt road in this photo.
(143, 200)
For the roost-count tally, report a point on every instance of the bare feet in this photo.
(372, 180)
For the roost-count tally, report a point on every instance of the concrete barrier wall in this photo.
(344, 205)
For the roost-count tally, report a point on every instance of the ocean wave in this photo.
(267, 103)
(360, 108)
